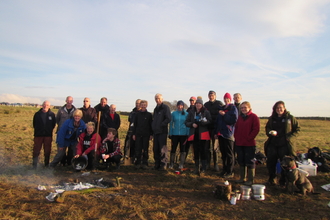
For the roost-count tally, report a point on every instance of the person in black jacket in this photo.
(129, 148)
(197, 120)
(110, 119)
(161, 118)
(142, 133)
(44, 122)
(89, 113)
(212, 106)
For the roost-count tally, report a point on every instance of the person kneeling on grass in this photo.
(86, 145)
(110, 149)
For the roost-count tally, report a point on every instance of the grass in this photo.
(144, 194)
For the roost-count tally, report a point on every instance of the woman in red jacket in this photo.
(246, 129)
(87, 142)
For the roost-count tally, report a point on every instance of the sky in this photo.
(124, 50)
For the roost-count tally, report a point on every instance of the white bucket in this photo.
(259, 197)
(258, 191)
(246, 191)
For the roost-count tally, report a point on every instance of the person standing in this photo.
(192, 102)
(89, 113)
(110, 119)
(43, 123)
(198, 120)
(129, 148)
(67, 137)
(178, 134)
(65, 112)
(237, 101)
(246, 130)
(161, 118)
(212, 106)
(142, 133)
(224, 131)
(102, 106)
(281, 128)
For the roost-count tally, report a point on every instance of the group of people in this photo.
(212, 128)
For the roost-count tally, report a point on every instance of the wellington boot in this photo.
(46, 161)
(215, 160)
(172, 161)
(203, 166)
(182, 159)
(35, 162)
(196, 168)
(242, 174)
(251, 174)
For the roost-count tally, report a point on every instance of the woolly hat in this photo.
(199, 97)
(180, 102)
(227, 96)
(193, 98)
(212, 92)
(200, 101)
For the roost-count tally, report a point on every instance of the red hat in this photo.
(227, 96)
(193, 98)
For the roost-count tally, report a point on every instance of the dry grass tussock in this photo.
(143, 194)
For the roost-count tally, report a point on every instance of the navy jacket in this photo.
(225, 124)
(161, 118)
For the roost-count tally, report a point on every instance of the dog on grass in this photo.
(294, 177)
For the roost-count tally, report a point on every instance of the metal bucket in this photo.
(258, 191)
(79, 163)
(246, 191)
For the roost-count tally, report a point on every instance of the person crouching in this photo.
(110, 149)
(86, 145)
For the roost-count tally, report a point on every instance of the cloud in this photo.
(267, 50)
(14, 98)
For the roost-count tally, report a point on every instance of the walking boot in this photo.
(35, 162)
(172, 161)
(196, 167)
(182, 160)
(242, 174)
(215, 161)
(251, 174)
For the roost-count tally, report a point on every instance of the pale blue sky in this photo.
(124, 50)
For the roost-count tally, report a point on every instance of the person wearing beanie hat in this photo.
(178, 134)
(227, 96)
(192, 101)
(224, 131)
(198, 119)
(200, 101)
(212, 106)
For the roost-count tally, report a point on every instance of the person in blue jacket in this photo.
(179, 134)
(224, 131)
(67, 137)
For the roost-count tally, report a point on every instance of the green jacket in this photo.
(291, 127)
